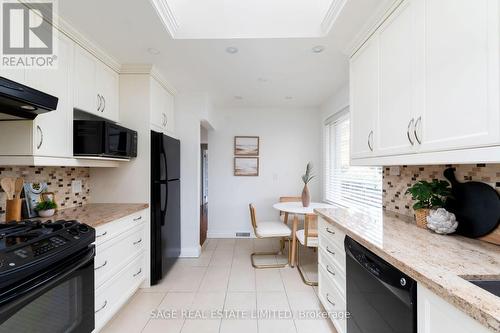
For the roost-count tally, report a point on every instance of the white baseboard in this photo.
(227, 234)
(191, 252)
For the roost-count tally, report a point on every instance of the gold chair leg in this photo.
(308, 282)
(254, 265)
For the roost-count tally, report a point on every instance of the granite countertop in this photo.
(437, 262)
(97, 213)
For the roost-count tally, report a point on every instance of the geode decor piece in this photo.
(441, 221)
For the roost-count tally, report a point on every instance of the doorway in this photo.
(204, 187)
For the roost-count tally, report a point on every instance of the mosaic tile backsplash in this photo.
(58, 180)
(394, 187)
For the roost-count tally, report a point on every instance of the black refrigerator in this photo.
(165, 204)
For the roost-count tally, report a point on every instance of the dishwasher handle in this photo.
(378, 267)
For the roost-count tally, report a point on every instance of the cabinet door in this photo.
(364, 105)
(86, 98)
(158, 106)
(107, 88)
(435, 315)
(398, 41)
(461, 75)
(170, 112)
(53, 130)
(14, 74)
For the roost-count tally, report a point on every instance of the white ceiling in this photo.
(263, 71)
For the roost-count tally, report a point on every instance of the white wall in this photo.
(191, 110)
(289, 138)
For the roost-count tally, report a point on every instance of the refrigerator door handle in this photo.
(163, 212)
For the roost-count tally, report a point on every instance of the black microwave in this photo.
(103, 139)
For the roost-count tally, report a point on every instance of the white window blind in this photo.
(345, 185)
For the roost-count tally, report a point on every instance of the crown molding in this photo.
(167, 16)
(148, 69)
(371, 25)
(331, 15)
(67, 29)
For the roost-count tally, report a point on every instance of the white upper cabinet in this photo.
(108, 89)
(162, 108)
(398, 52)
(50, 134)
(461, 103)
(53, 130)
(437, 64)
(364, 104)
(96, 86)
(16, 74)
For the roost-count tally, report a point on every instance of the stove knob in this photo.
(83, 228)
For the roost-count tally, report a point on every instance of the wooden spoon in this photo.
(19, 187)
(8, 185)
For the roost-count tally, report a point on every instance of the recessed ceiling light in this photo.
(153, 51)
(262, 79)
(231, 50)
(288, 97)
(318, 49)
(238, 97)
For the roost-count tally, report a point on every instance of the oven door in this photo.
(118, 141)
(60, 299)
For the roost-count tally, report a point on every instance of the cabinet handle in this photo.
(102, 307)
(138, 218)
(137, 242)
(370, 139)
(103, 234)
(329, 271)
(328, 299)
(330, 251)
(39, 129)
(104, 103)
(139, 272)
(408, 131)
(419, 120)
(99, 102)
(99, 267)
(330, 231)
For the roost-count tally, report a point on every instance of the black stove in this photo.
(46, 277)
(29, 246)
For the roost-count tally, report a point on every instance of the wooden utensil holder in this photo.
(13, 210)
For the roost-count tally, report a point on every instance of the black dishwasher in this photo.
(380, 298)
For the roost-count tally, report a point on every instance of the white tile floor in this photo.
(223, 279)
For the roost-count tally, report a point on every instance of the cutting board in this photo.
(476, 206)
(493, 237)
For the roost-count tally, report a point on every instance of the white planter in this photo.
(46, 213)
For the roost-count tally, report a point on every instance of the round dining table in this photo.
(296, 209)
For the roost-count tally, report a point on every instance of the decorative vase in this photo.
(306, 196)
(46, 213)
(421, 217)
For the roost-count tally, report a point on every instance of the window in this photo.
(345, 185)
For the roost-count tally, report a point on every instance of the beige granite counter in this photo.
(438, 262)
(97, 213)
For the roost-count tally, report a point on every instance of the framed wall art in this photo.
(246, 145)
(246, 166)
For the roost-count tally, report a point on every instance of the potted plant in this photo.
(428, 195)
(46, 208)
(306, 178)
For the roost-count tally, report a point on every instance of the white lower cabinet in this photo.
(119, 265)
(435, 315)
(331, 272)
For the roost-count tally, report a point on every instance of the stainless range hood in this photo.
(18, 101)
